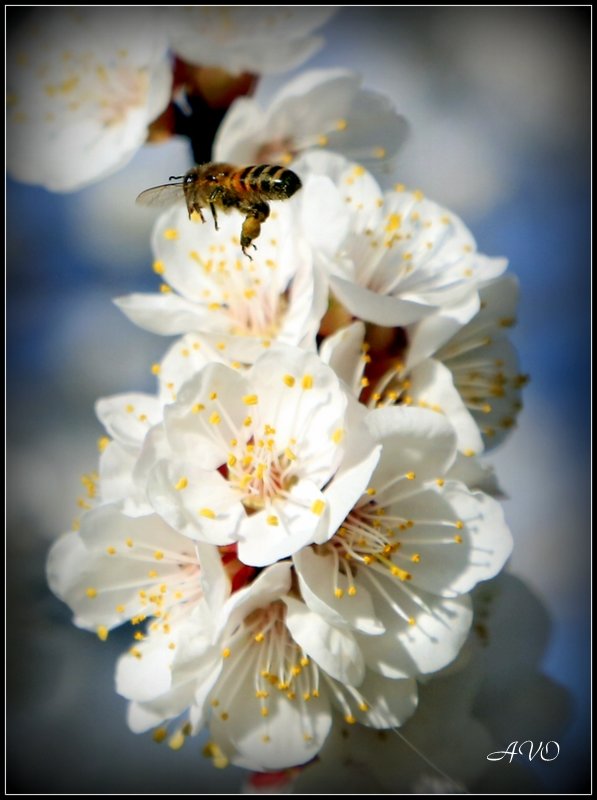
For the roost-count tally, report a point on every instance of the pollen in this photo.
(215, 418)
(207, 512)
(164, 288)
(158, 555)
(152, 573)
(440, 482)
(159, 735)
(341, 125)
(170, 233)
(250, 399)
(102, 443)
(458, 539)
(350, 719)
(102, 633)
(323, 140)
(307, 382)
(129, 542)
(410, 476)
(289, 380)
(91, 592)
(177, 740)
(197, 408)
(182, 484)
(226, 652)
(379, 152)
(159, 267)
(338, 435)
(338, 592)
(394, 222)
(111, 551)
(317, 507)
(273, 520)
(469, 453)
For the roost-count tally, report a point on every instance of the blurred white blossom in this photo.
(83, 85)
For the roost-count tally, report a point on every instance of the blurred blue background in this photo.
(499, 105)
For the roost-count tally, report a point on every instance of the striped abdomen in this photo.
(268, 181)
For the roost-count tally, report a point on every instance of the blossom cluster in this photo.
(294, 521)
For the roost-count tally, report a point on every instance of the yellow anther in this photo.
(323, 140)
(247, 421)
(164, 288)
(338, 435)
(371, 491)
(416, 558)
(159, 267)
(102, 443)
(197, 408)
(379, 152)
(459, 524)
(226, 652)
(307, 382)
(177, 740)
(102, 633)
(350, 719)
(259, 637)
(339, 592)
(363, 706)
(410, 476)
(394, 222)
(158, 555)
(91, 592)
(352, 590)
(272, 520)
(129, 542)
(111, 551)
(304, 662)
(318, 507)
(163, 589)
(159, 735)
(170, 233)
(364, 382)
(412, 621)
(400, 573)
(264, 711)
(215, 418)
(207, 512)
(458, 539)
(138, 636)
(152, 574)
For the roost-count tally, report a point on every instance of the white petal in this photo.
(166, 314)
(335, 650)
(374, 307)
(317, 579)
(432, 386)
(416, 443)
(206, 509)
(429, 334)
(390, 702)
(407, 650)
(343, 352)
(128, 417)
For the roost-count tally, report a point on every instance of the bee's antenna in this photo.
(176, 177)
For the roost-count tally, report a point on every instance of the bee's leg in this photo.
(213, 213)
(196, 208)
(255, 215)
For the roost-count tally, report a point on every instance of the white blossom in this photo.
(83, 84)
(392, 258)
(325, 108)
(257, 39)
(211, 287)
(268, 458)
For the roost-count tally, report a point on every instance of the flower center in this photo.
(260, 471)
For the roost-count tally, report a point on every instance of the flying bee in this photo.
(223, 187)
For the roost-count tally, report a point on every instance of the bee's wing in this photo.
(161, 196)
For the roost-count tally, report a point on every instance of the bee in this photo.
(224, 187)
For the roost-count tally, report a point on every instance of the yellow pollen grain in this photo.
(371, 491)
(338, 435)
(170, 233)
(176, 741)
(159, 267)
(250, 399)
(102, 443)
(215, 418)
(159, 735)
(339, 592)
(247, 421)
(288, 380)
(182, 484)
(394, 222)
(129, 542)
(412, 621)
(469, 453)
(207, 512)
(459, 524)
(317, 507)
(139, 636)
(350, 719)
(440, 481)
(91, 592)
(259, 637)
(226, 652)
(304, 662)
(352, 590)
(410, 476)
(164, 288)
(231, 460)
(152, 573)
(197, 408)
(111, 551)
(416, 558)
(264, 711)
(120, 609)
(363, 706)
(272, 520)
(102, 633)
(158, 555)
(307, 382)
(458, 539)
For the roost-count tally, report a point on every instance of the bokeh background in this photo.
(499, 105)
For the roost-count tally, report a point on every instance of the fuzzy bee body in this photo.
(225, 186)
